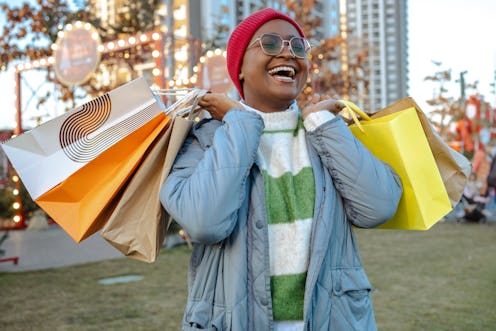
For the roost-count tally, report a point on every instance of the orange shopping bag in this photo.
(75, 164)
(76, 203)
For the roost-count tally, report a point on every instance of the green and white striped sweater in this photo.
(289, 195)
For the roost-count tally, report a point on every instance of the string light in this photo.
(194, 78)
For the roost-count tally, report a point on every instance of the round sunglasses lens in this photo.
(271, 44)
(299, 47)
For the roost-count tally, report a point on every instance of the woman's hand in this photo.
(322, 103)
(218, 104)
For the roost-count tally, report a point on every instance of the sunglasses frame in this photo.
(308, 45)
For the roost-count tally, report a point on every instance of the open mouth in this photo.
(283, 73)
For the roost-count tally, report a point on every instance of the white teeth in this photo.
(282, 68)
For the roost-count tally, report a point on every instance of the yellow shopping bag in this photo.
(399, 140)
(454, 167)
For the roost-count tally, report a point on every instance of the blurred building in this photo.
(378, 26)
(381, 27)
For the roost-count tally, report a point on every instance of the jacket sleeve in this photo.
(206, 186)
(370, 188)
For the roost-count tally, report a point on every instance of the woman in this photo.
(269, 195)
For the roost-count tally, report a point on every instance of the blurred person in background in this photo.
(491, 181)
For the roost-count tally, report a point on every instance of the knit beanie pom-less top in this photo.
(241, 36)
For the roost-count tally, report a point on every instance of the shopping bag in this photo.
(398, 138)
(138, 224)
(73, 165)
(453, 166)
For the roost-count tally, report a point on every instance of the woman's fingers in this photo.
(325, 103)
(218, 104)
(337, 107)
(315, 98)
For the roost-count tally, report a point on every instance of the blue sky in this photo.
(457, 33)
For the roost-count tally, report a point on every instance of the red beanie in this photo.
(241, 36)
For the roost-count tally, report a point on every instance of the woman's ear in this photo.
(241, 76)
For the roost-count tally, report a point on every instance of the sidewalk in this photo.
(52, 248)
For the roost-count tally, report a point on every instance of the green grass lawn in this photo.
(441, 279)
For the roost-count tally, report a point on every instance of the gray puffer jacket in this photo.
(216, 193)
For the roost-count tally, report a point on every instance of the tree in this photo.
(327, 76)
(31, 29)
(7, 199)
(138, 16)
(446, 109)
(220, 34)
(449, 115)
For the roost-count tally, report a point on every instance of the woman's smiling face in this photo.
(272, 83)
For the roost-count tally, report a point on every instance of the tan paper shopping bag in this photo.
(138, 223)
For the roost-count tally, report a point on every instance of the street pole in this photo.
(462, 90)
(18, 128)
(493, 84)
(19, 219)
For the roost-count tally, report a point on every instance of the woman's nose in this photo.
(286, 49)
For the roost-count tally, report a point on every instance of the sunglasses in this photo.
(273, 44)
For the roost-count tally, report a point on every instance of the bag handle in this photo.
(352, 110)
(194, 107)
(185, 96)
